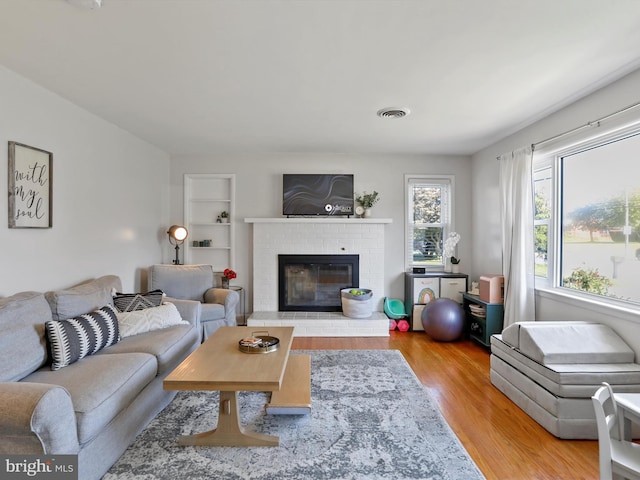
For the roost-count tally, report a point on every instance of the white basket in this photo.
(357, 306)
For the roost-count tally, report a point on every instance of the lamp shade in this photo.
(178, 233)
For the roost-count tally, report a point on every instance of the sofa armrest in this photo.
(228, 298)
(224, 296)
(37, 418)
(190, 310)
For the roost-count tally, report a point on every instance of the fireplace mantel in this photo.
(319, 220)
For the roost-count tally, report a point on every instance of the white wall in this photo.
(259, 194)
(486, 219)
(110, 195)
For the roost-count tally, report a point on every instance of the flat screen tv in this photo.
(317, 194)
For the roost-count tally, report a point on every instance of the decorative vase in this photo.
(447, 265)
(455, 268)
(225, 282)
(367, 212)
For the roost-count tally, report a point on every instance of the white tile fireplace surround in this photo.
(318, 236)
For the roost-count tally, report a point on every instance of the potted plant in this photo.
(449, 252)
(227, 275)
(455, 267)
(224, 216)
(367, 200)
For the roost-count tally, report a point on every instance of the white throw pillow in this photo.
(149, 319)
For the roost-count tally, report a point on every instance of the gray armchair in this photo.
(197, 282)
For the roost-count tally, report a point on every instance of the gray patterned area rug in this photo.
(371, 419)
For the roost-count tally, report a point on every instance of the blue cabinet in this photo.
(483, 318)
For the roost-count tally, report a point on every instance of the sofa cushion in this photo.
(148, 320)
(131, 302)
(101, 386)
(75, 338)
(186, 282)
(568, 342)
(169, 345)
(23, 346)
(83, 298)
(568, 380)
(511, 333)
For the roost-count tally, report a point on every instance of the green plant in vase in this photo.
(367, 200)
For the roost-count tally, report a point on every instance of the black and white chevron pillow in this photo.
(75, 338)
(131, 302)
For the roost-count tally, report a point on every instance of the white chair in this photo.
(618, 458)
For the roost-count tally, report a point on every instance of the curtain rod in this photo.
(593, 123)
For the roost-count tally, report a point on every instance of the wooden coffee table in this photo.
(218, 364)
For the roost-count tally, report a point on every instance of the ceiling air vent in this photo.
(393, 112)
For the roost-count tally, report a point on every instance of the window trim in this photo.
(551, 156)
(448, 226)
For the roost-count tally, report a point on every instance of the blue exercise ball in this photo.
(443, 320)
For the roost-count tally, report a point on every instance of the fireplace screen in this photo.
(312, 283)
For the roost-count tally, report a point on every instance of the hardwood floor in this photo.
(505, 442)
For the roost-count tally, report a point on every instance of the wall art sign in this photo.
(30, 186)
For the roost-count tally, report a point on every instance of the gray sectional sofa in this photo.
(97, 405)
(551, 370)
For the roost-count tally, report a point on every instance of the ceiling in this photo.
(196, 76)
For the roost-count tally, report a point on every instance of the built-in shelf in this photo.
(206, 196)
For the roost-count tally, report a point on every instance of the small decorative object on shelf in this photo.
(227, 275)
(367, 200)
(224, 216)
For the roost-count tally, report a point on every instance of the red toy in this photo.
(403, 325)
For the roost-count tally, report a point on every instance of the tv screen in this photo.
(317, 194)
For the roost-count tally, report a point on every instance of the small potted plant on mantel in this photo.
(367, 200)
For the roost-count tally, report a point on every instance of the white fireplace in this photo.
(317, 236)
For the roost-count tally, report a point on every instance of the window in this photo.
(596, 250)
(428, 219)
(542, 215)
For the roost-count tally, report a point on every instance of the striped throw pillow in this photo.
(75, 338)
(130, 302)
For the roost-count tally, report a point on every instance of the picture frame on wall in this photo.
(30, 187)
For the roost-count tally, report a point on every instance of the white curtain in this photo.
(516, 204)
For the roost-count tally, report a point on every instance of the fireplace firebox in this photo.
(312, 283)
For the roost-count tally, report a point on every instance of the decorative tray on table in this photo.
(259, 343)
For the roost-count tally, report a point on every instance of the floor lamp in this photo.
(177, 236)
